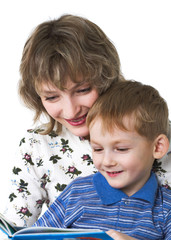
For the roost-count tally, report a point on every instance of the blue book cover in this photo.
(47, 233)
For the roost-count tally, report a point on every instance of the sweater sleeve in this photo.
(25, 196)
(44, 165)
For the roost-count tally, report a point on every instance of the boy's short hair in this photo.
(131, 99)
(68, 46)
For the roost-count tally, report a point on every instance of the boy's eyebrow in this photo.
(93, 141)
(113, 142)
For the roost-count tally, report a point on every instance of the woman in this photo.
(66, 64)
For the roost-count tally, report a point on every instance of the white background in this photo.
(140, 30)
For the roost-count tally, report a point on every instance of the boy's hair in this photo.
(69, 46)
(131, 99)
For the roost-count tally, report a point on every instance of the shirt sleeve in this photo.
(168, 226)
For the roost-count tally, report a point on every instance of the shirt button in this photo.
(126, 202)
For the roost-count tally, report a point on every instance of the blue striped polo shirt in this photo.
(90, 202)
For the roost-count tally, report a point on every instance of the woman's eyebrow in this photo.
(54, 91)
(76, 86)
(47, 92)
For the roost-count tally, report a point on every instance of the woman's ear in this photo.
(161, 146)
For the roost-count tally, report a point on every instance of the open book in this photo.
(47, 233)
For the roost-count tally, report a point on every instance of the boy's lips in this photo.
(77, 121)
(114, 173)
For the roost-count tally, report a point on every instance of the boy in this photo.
(128, 130)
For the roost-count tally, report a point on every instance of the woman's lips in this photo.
(77, 121)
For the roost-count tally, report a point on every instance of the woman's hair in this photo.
(131, 99)
(69, 46)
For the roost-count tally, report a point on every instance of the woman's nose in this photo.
(70, 108)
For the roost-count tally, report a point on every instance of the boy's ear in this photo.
(161, 146)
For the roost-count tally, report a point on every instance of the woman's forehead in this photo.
(47, 86)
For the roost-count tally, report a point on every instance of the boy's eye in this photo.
(97, 149)
(121, 149)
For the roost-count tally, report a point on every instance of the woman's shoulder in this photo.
(37, 138)
(41, 131)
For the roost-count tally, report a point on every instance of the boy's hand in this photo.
(119, 236)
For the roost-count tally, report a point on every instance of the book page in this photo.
(40, 230)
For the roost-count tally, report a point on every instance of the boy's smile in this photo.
(124, 158)
(114, 174)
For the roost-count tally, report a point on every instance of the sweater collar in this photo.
(110, 195)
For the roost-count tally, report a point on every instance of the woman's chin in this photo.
(79, 131)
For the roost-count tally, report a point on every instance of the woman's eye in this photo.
(84, 90)
(50, 98)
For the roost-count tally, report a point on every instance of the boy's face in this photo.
(124, 158)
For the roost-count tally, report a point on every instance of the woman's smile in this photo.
(77, 121)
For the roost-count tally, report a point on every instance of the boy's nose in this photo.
(108, 160)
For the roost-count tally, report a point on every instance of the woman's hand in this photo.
(119, 236)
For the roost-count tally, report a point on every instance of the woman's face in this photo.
(70, 106)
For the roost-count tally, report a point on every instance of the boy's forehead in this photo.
(115, 135)
(127, 123)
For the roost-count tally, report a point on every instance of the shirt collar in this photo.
(110, 195)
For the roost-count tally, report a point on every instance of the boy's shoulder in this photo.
(82, 180)
(164, 197)
(166, 192)
(80, 187)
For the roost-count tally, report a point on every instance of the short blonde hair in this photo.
(68, 46)
(131, 98)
